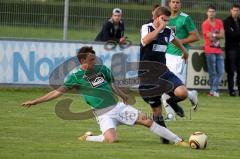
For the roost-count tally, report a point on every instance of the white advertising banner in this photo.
(197, 75)
(31, 62)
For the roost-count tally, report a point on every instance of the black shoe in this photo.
(233, 94)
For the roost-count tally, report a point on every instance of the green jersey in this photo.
(94, 86)
(182, 24)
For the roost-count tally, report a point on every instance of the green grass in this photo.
(55, 34)
(38, 133)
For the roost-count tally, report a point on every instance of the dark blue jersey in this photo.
(156, 50)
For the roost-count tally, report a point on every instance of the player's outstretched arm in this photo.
(178, 44)
(51, 95)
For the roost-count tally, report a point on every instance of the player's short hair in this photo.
(235, 6)
(211, 7)
(161, 11)
(83, 52)
(171, 0)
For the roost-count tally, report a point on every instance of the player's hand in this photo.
(122, 40)
(185, 56)
(28, 104)
(163, 23)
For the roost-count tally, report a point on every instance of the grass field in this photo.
(55, 34)
(38, 133)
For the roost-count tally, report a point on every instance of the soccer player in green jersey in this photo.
(185, 30)
(96, 84)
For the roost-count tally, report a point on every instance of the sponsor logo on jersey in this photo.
(96, 80)
(159, 48)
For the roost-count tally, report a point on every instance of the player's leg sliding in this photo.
(99, 138)
(125, 114)
(109, 136)
(160, 130)
(88, 136)
(158, 118)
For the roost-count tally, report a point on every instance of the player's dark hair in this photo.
(83, 52)
(155, 6)
(161, 11)
(235, 6)
(211, 7)
(170, 1)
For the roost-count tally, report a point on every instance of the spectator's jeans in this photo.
(215, 64)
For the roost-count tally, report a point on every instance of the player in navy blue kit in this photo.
(155, 77)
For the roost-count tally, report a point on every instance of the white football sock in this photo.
(167, 107)
(190, 95)
(164, 132)
(99, 138)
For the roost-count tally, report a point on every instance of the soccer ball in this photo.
(198, 140)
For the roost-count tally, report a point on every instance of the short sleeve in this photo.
(189, 24)
(70, 81)
(144, 32)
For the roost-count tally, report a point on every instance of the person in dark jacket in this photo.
(232, 48)
(113, 29)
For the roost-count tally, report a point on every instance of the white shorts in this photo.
(120, 114)
(178, 66)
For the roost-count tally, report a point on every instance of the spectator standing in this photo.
(213, 31)
(232, 48)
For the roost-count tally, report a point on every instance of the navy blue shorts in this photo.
(171, 77)
(155, 99)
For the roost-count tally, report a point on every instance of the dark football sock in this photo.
(173, 102)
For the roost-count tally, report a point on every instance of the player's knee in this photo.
(110, 136)
(181, 92)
